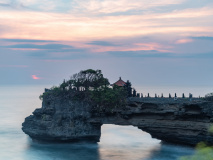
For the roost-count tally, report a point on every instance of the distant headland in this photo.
(76, 110)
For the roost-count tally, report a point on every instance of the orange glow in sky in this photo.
(35, 77)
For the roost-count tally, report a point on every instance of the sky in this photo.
(160, 42)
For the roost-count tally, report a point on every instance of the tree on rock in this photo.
(89, 78)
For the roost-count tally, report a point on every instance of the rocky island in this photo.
(76, 110)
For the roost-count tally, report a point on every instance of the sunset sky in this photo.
(161, 42)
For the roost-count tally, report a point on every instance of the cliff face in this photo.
(180, 121)
(62, 120)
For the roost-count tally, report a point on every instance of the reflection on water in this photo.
(117, 142)
(125, 142)
(170, 152)
(57, 151)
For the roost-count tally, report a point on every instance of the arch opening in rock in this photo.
(127, 142)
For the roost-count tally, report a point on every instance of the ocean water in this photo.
(117, 142)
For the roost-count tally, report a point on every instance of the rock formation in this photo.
(62, 120)
(182, 121)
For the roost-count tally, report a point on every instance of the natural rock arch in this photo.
(181, 121)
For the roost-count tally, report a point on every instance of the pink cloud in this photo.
(180, 41)
(68, 27)
(130, 47)
(35, 77)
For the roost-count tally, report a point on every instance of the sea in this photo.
(116, 143)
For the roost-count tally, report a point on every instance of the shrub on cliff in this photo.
(53, 91)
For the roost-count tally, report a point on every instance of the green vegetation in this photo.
(54, 91)
(211, 129)
(109, 99)
(90, 86)
(203, 152)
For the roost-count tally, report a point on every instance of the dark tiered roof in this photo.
(120, 83)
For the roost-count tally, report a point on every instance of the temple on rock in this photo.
(120, 83)
(127, 85)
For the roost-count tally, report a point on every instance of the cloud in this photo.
(203, 38)
(35, 77)
(45, 5)
(12, 4)
(111, 6)
(101, 43)
(187, 13)
(141, 53)
(180, 41)
(4, 5)
(157, 54)
(130, 45)
(88, 6)
(26, 40)
(37, 5)
(73, 50)
(45, 52)
(60, 55)
(208, 55)
(34, 46)
(55, 54)
(38, 25)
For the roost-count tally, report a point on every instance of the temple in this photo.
(120, 83)
(127, 85)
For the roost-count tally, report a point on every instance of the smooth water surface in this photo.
(117, 142)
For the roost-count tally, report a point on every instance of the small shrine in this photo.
(127, 85)
(120, 83)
